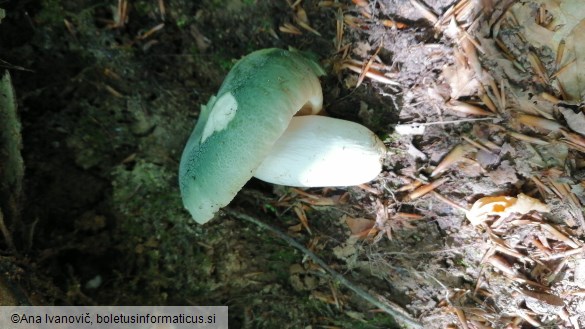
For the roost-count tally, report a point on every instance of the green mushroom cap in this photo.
(238, 127)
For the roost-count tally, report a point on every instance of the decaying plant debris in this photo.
(476, 222)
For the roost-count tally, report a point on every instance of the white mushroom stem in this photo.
(317, 151)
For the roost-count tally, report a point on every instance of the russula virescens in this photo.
(246, 130)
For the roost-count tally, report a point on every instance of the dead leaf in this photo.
(568, 25)
(576, 121)
(545, 298)
(503, 206)
(416, 153)
(461, 79)
(506, 173)
(486, 158)
(359, 225)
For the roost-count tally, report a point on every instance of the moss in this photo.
(225, 63)
(276, 312)
(182, 22)
(280, 261)
(12, 166)
(159, 235)
(52, 13)
(95, 132)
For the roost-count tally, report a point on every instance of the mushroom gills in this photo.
(317, 151)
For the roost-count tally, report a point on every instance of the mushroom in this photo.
(248, 130)
(317, 151)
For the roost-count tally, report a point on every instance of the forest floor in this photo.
(473, 99)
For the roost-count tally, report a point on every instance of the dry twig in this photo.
(395, 311)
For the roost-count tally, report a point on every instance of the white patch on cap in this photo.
(223, 111)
